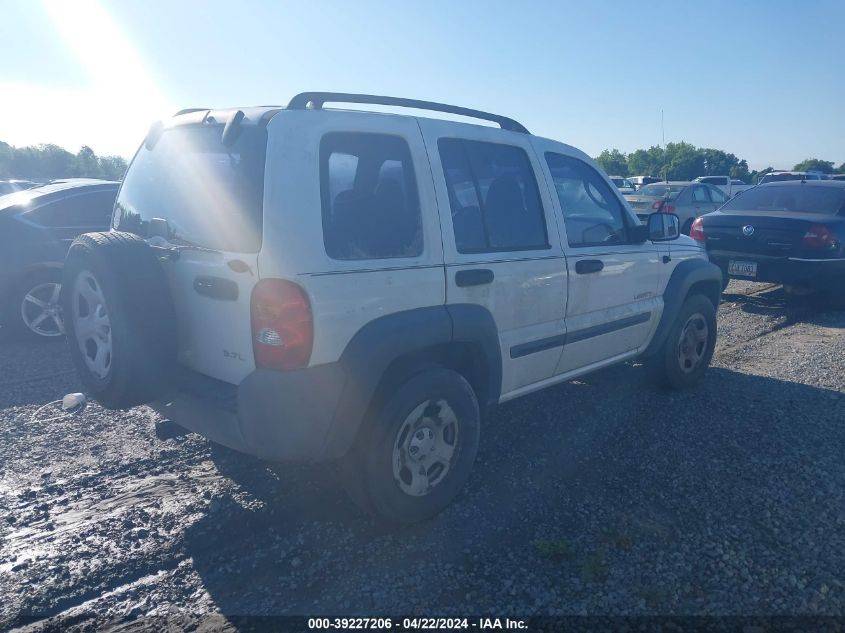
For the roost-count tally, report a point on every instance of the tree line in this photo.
(684, 161)
(48, 162)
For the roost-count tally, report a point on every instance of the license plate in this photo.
(742, 269)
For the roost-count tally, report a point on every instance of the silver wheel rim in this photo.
(692, 345)
(91, 324)
(40, 310)
(424, 448)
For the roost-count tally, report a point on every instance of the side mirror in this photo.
(663, 227)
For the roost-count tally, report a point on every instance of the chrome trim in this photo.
(807, 259)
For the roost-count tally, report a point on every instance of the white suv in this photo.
(310, 284)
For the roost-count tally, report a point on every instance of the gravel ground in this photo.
(599, 496)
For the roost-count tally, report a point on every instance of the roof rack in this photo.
(316, 100)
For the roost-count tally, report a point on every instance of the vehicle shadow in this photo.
(288, 542)
(777, 302)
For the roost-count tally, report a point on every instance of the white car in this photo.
(623, 184)
(308, 284)
(729, 186)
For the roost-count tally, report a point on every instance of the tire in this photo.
(680, 367)
(119, 318)
(32, 309)
(434, 410)
(725, 280)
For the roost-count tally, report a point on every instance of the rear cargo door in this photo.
(200, 202)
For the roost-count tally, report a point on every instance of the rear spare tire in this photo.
(119, 318)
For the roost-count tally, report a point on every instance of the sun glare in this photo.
(111, 113)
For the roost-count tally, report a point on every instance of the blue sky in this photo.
(764, 80)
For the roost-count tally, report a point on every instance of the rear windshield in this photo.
(783, 177)
(198, 191)
(798, 199)
(670, 192)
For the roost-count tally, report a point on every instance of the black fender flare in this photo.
(686, 274)
(380, 342)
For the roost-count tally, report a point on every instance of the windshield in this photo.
(198, 191)
(799, 199)
(620, 182)
(669, 192)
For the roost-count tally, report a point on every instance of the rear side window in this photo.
(370, 203)
(191, 189)
(592, 213)
(86, 210)
(493, 195)
(717, 196)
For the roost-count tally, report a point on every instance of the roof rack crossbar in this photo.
(317, 99)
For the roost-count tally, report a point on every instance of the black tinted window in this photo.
(371, 208)
(493, 196)
(83, 210)
(592, 213)
(199, 191)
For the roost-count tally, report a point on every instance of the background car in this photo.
(789, 232)
(641, 181)
(780, 176)
(36, 229)
(623, 184)
(11, 186)
(688, 200)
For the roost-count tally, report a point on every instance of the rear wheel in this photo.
(119, 318)
(415, 454)
(688, 349)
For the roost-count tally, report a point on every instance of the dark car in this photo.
(12, 186)
(788, 232)
(37, 227)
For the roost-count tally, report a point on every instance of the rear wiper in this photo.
(174, 251)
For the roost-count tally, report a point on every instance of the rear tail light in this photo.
(696, 231)
(282, 325)
(663, 207)
(818, 236)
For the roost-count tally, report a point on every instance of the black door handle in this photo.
(473, 277)
(584, 266)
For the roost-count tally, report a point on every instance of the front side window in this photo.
(80, 210)
(493, 196)
(592, 214)
(370, 204)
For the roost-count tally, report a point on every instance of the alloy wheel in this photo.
(41, 311)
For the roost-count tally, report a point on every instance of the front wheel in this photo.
(688, 349)
(415, 454)
(33, 309)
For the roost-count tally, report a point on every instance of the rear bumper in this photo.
(279, 416)
(821, 274)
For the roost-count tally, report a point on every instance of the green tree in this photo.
(46, 162)
(613, 162)
(815, 164)
(683, 161)
(841, 169)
